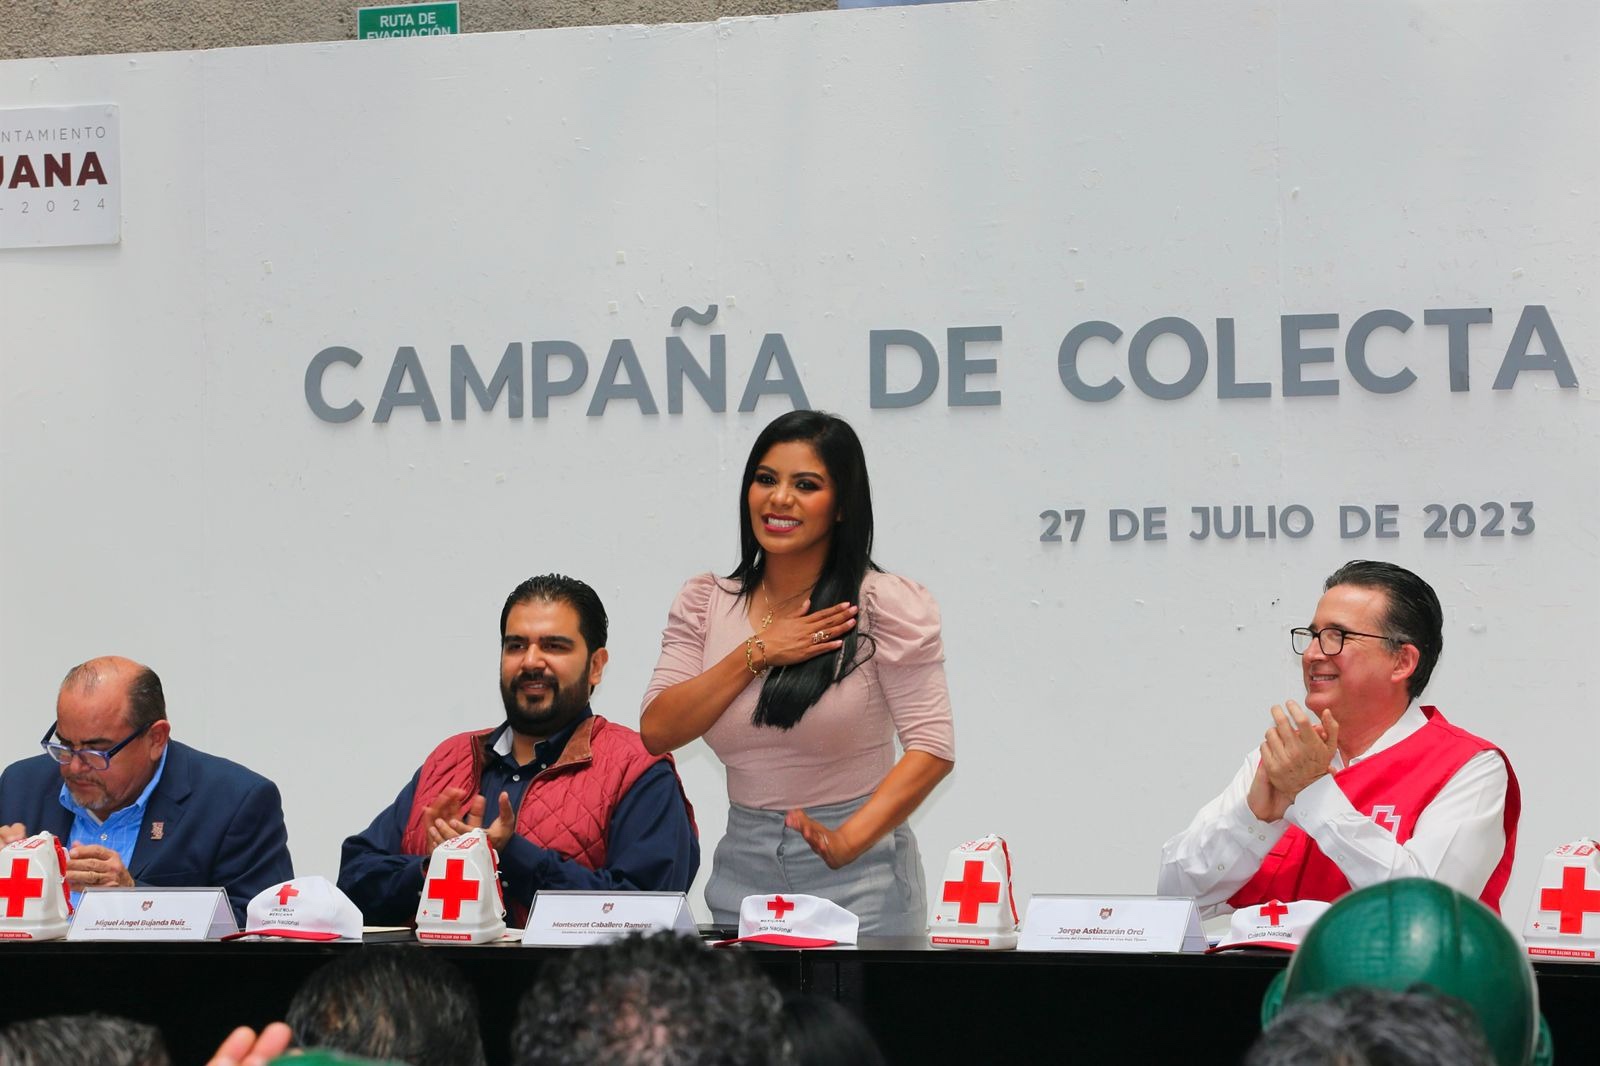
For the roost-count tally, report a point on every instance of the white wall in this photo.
(321, 599)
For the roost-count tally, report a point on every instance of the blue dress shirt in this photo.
(119, 832)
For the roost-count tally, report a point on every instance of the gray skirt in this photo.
(759, 855)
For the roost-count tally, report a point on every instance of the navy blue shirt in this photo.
(650, 843)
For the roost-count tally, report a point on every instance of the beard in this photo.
(90, 794)
(565, 707)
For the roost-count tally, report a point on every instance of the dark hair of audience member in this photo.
(102, 1039)
(659, 1000)
(1360, 1026)
(389, 1002)
(823, 1033)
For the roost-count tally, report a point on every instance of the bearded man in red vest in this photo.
(577, 802)
(1363, 785)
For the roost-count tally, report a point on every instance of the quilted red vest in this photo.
(566, 807)
(1403, 779)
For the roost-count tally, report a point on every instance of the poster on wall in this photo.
(60, 176)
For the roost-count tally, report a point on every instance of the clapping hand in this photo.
(1297, 750)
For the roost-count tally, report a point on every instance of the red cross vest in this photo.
(1404, 778)
(567, 807)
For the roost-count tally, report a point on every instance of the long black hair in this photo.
(789, 691)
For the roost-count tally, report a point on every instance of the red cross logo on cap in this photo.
(286, 893)
(452, 889)
(972, 891)
(1572, 899)
(779, 907)
(19, 888)
(1274, 911)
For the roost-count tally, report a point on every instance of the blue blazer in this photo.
(221, 824)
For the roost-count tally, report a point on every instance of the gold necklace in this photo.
(766, 597)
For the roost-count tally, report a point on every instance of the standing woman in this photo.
(800, 669)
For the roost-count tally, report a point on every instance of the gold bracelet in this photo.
(749, 655)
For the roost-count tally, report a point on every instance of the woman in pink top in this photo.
(800, 669)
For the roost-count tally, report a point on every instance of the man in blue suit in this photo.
(135, 806)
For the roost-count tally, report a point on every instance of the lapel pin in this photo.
(157, 830)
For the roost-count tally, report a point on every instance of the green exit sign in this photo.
(408, 20)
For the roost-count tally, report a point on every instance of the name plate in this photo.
(152, 914)
(571, 919)
(1135, 924)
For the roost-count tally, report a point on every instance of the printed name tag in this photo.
(574, 918)
(1138, 924)
(152, 914)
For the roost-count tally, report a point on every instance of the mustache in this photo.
(530, 676)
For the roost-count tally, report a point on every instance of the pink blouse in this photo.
(844, 746)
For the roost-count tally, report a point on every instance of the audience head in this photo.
(1413, 932)
(658, 1000)
(98, 1038)
(822, 1032)
(389, 1002)
(1373, 1027)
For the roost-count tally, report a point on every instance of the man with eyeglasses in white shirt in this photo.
(135, 806)
(1362, 785)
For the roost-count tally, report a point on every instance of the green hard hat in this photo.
(1414, 931)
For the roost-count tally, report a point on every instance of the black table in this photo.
(921, 1003)
(924, 1006)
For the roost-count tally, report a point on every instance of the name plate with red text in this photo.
(152, 914)
(572, 919)
(1130, 924)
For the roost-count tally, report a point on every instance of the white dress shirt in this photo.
(1458, 838)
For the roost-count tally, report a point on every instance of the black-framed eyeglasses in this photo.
(1330, 637)
(94, 760)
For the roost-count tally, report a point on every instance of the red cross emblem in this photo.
(19, 888)
(972, 891)
(1572, 899)
(453, 889)
(286, 893)
(1274, 911)
(779, 907)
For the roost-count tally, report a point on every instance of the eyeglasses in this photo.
(94, 760)
(1330, 637)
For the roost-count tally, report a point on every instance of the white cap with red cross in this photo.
(794, 921)
(302, 908)
(461, 895)
(35, 903)
(972, 905)
(1564, 914)
(1273, 924)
